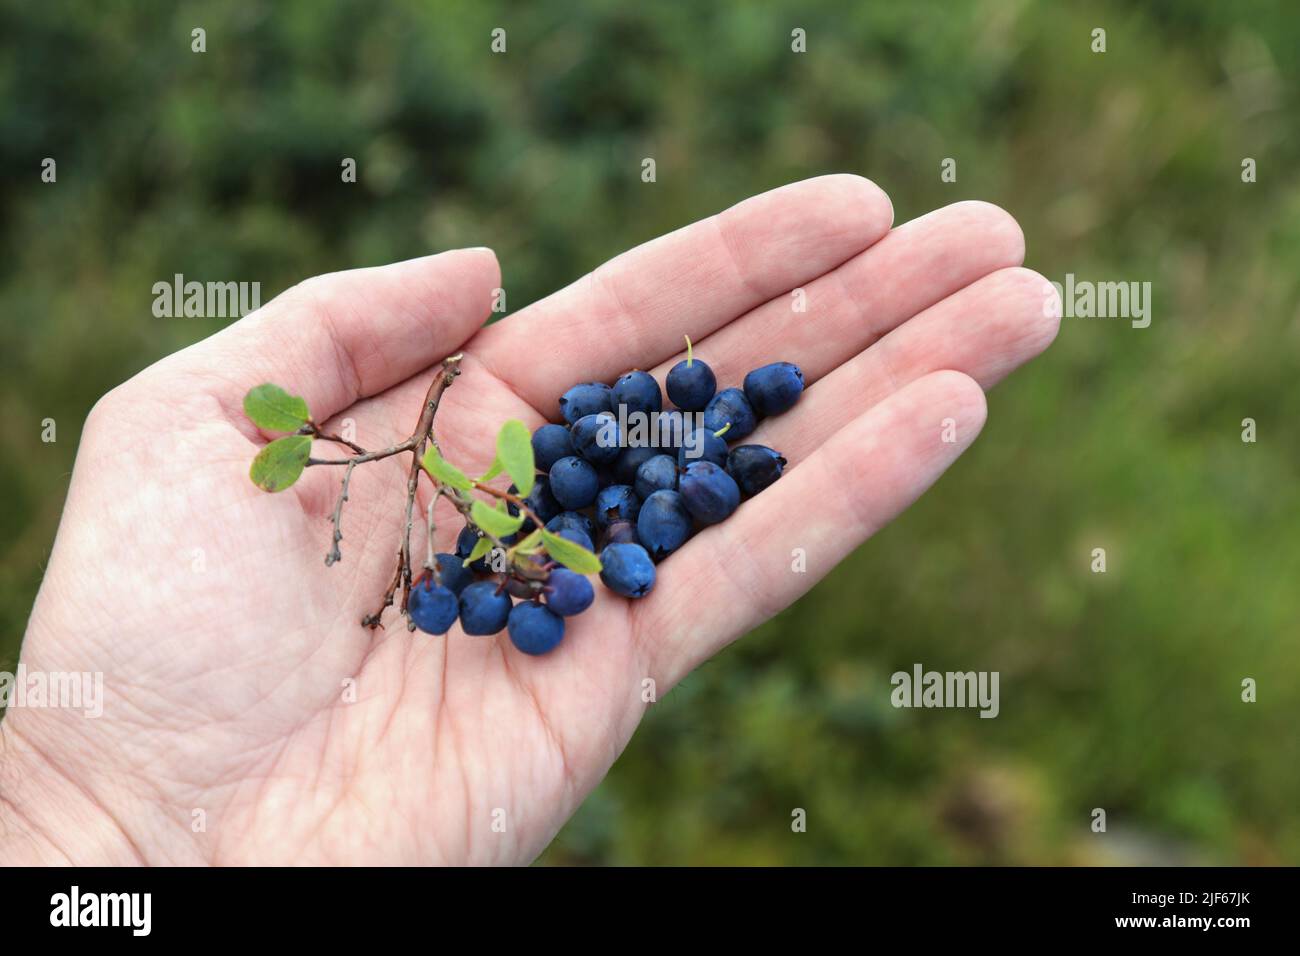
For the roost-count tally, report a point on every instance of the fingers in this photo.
(985, 331)
(818, 512)
(633, 311)
(915, 266)
(344, 336)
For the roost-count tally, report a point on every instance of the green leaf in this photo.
(278, 465)
(491, 472)
(531, 544)
(481, 548)
(515, 452)
(271, 408)
(443, 470)
(495, 522)
(573, 556)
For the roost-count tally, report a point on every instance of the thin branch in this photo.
(335, 554)
(422, 434)
(311, 428)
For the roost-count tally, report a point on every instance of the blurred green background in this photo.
(1119, 690)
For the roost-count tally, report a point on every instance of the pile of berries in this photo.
(623, 478)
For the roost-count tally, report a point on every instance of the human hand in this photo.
(227, 645)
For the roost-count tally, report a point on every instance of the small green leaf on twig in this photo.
(481, 548)
(515, 452)
(272, 409)
(491, 472)
(570, 554)
(443, 470)
(494, 522)
(531, 544)
(278, 465)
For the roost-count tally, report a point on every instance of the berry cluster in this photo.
(622, 477)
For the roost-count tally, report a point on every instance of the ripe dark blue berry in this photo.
(702, 445)
(574, 483)
(617, 502)
(550, 444)
(465, 541)
(577, 536)
(597, 438)
(452, 573)
(657, 474)
(637, 392)
(572, 520)
(754, 467)
(730, 406)
(483, 610)
(568, 593)
(619, 532)
(540, 500)
(632, 458)
(669, 429)
(691, 383)
(774, 388)
(535, 629)
(433, 608)
(664, 524)
(583, 400)
(708, 492)
(627, 570)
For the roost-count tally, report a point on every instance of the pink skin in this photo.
(225, 669)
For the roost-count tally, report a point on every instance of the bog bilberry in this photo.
(708, 492)
(754, 467)
(644, 490)
(535, 628)
(774, 388)
(730, 409)
(664, 524)
(691, 383)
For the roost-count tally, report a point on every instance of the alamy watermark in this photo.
(205, 300)
(922, 688)
(1084, 299)
(66, 690)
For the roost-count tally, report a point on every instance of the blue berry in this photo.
(619, 532)
(754, 467)
(657, 474)
(730, 407)
(550, 444)
(583, 400)
(577, 536)
(568, 593)
(627, 570)
(774, 388)
(433, 608)
(452, 573)
(465, 544)
(483, 610)
(574, 483)
(691, 383)
(637, 392)
(670, 428)
(632, 459)
(702, 445)
(597, 438)
(572, 520)
(539, 500)
(708, 492)
(664, 523)
(617, 502)
(465, 541)
(535, 629)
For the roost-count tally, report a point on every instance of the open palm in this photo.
(248, 718)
